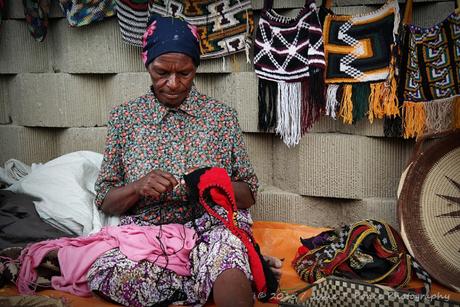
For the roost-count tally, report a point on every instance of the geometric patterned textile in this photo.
(360, 58)
(338, 292)
(289, 61)
(225, 26)
(288, 49)
(430, 70)
(431, 60)
(367, 250)
(358, 48)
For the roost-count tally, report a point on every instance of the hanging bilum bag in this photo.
(132, 18)
(360, 57)
(78, 13)
(224, 27)
(289, 63)
(368, 250)
(36, 13)
(81, 13)
(429, 75)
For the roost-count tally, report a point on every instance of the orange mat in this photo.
(275, 238)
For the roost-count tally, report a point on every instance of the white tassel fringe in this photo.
(331, 100)
(288, 112)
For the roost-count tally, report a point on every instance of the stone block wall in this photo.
(55, 97)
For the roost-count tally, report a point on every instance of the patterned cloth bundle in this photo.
(77, 13)
(289, 61)
(430, 68)
(367, 250)
(360, 56)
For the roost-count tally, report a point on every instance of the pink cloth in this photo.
(168, 246)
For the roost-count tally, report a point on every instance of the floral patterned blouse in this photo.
(144, 135)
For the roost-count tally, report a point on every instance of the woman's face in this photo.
(172, 77)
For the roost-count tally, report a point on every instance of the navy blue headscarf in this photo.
(169, 34)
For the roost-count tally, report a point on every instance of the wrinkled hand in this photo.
(275, 265)
(155, 183)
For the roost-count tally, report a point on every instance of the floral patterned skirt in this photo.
(143, 283)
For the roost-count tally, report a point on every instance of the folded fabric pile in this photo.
(64, 194)
(20, 222)
(76, 255)
(368, 250)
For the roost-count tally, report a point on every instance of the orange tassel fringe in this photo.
(346, 106)
(413, 118)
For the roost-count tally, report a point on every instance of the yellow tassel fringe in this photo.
(375, 106)
(414, 118)
(390, 101)
(383, 100)
(390, 105)
(346, 107)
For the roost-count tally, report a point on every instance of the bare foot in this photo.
(275, 265)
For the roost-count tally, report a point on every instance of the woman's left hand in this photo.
(275, 265)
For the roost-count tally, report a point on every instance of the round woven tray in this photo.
(429, 209)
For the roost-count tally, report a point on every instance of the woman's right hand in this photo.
(155, 183)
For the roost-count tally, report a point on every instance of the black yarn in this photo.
(267, 109)
(192, 180)
(323, 12)
(313, 99)
(393, 127)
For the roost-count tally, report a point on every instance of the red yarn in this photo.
(220, 187)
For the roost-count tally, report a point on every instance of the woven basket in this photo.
(429, 207)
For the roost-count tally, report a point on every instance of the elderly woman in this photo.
(152, 142)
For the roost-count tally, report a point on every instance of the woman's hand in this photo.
(119, 199)
(275, 265)
(154, 184)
